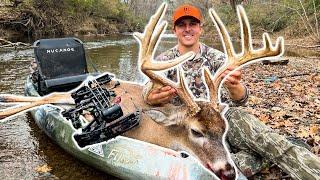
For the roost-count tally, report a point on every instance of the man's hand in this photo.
(161, 95)
(233, 79)
(233, 83)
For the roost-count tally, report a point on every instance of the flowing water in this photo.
(23, 146)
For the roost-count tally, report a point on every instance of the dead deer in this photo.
(197, 127)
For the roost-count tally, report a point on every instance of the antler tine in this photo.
(148, 41)
(144, 39)
(245, 31)
(277, 50)
(212, 88)
(156, 38)
(227, 45)
(149, 31)
(266, 41)
(248, 53)
(186, 97)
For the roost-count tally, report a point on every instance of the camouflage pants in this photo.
(258, 145)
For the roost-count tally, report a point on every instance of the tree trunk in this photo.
(233, 5)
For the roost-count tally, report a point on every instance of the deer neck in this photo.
(173, 137)
(176, 139)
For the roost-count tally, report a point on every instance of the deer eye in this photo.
(196, 133)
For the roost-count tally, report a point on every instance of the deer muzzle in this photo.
(223, 169)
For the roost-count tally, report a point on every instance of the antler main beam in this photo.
(148, 41)
(248, 54)
(53, 98)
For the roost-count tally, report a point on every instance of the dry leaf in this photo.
(254, 100)
(43, 169)
(316, 150)
(277, 85)
(288, 123)
(314, 129)
(276, 108)
(264, 118)
(316, 78)
(316, 139)
(303, 133)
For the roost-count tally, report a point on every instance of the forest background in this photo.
(46, 18)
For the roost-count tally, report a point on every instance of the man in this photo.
(187, 27)
(256, 144)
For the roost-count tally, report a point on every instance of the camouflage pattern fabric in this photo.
(207, 57)
(257, 144)
(249, 163)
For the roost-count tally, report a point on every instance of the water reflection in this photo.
(118, 57)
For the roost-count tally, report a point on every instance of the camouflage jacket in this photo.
(211, 58)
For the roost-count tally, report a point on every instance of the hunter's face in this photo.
(188, 31)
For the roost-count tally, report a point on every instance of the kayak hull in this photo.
(122, 157)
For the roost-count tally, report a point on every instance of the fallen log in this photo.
(8, 44)
(283, 61)
(274, 78)
(304, 46)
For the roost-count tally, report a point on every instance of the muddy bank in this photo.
(32, 20)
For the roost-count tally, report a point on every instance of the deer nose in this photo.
(224, 170)
(226, 173)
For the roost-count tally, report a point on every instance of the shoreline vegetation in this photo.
(35, 19)
(25, 20)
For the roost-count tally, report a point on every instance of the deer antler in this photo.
(248, 53)
(148, 41)
(53, 98)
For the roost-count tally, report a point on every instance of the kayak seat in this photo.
(61, 64)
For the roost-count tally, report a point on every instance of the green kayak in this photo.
(122, 157)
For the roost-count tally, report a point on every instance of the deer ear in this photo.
(166, 116)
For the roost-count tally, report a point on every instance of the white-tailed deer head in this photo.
(198, 125)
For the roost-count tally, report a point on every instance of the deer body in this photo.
(148, 130)
(178, 136)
